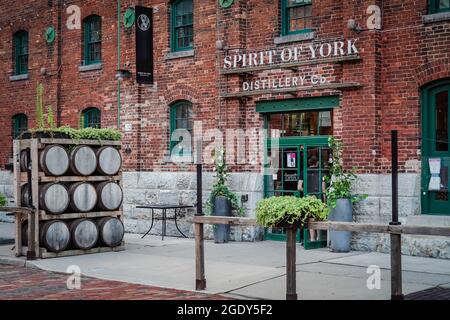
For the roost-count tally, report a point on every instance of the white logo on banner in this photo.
(143, 22)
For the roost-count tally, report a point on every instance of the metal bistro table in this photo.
(164, 218)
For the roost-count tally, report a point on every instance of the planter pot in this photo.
(222, 207)
(340, 240)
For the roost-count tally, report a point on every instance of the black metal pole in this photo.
(198, 161)
(394, 149)
(396, 238)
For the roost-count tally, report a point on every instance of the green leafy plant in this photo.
(50, 118)
(100, 134)
(274, 211)
(39, 107)
(219, 187)
(340, 181)
(3, 200)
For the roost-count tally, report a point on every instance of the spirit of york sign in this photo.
(291, 54)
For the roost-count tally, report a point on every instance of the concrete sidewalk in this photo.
(247, 270)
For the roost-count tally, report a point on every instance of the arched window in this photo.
(19, 125)
(21, 52)
(181, 125)
(91, 118)
(296, 16)
(182, 25)
(92, 40)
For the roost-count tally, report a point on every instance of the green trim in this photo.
(434, 7)
(92, 118)
(21, 52)
(303, 104)
(88, 42)
(173, 27)
(285, 21)
(19, 125)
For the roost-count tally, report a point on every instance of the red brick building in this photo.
(303, 69)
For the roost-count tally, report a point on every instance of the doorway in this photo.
(435, 149)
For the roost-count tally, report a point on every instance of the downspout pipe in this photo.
(118, 64)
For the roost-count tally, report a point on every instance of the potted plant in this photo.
(3, 200)
(339, 196)
(222, 201)
(288, 211)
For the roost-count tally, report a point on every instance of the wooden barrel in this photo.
(109, 160)
(111, 231)
(83, 161)
(54, 160)
(83, 234)
(24, 195)
(83, 197)
(23, 161)
(109, 195)
(53, 198)
(54, 235)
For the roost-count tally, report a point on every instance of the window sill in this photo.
(90, 67)
(19, 77)
(436, 17)
(294, 37)
(179, 54)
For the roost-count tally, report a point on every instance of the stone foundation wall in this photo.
(143, 188)
(6, 188)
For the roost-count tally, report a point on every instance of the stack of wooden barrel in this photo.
(78, 196)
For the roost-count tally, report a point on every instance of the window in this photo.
(296, 16)
(437, 6)
(91, 118)
(21, 53)
(19, 125)
(308, 123)
(92, 28)
(181, 125)
(182, 25)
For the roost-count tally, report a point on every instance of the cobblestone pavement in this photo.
(20, 283)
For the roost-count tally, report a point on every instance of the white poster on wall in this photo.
(435, 170)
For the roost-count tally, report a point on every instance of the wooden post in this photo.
(33, 191)
(396, 266)
(291, 284)
(18, 217)
(200, 281)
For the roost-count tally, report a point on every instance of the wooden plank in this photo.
(225, 220)
(17, 199)
(18, 233)
(291, 272)
(44, 178)
(292, 65)
(44, 141)
(33, 219)
(17, 209)
(44, 254)
(380, 228)
(200, 280)
(333, 86)
(43, 216)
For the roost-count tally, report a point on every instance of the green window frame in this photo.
(21, 52)
(181, 118)
(296, 16)
(92, 40)
(182, 25)
(92, 118)
(19, 125)
(437, 6)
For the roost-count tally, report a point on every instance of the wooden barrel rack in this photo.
(92, 221)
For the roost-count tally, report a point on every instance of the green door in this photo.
(297, 167)
(435, 149)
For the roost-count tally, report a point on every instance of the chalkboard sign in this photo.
(144, 45)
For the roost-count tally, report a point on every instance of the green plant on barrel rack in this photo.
(273, 211)
(219, 188)
(100, 134)
(39, 107)
(340, 181)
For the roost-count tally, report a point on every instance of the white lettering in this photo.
(74, 20)
(328, 46)
(227, 62)
(352, 47)
(374, 20)
(283, 55)
(339, 45)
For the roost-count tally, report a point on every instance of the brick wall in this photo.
(395, 62)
